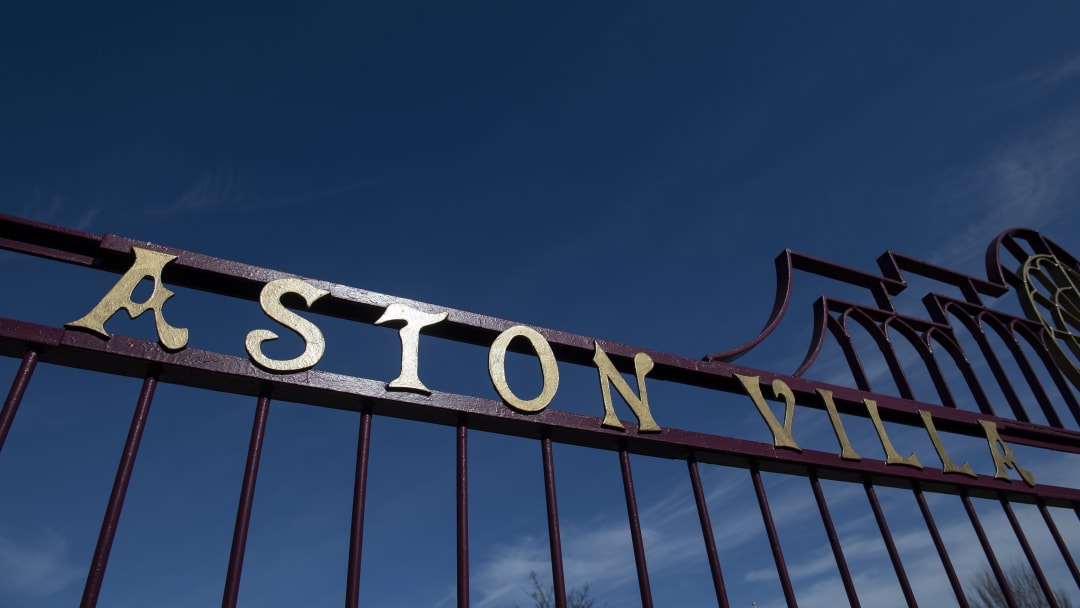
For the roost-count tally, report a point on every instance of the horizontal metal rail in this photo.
(128, 356)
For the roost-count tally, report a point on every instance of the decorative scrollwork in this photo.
(1051, 297)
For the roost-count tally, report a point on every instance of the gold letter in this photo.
(781, 434)
(847, 452)
(415, 320)
(947, 464)
(891, 455)
(643, 364)
(548, 369)
(1003, 455)
(270, 299)
(148, 264)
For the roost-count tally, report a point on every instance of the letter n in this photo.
(643, 364)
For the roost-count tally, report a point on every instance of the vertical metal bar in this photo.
(247, 497)
(1029, 554)
(356, 536)
(774, 539)
(96, 574)
(1060, 542)
(995, 567)
(1037, 390)
(707, 534)
(834, 541)
(1002, 378)
(554, 539)
(1064, 387)
(15, 395)
(462, 516)
(894, 555)
(635, 530)
(958, 589)
(847, 345)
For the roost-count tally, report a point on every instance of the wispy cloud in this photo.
(595, 552)
(1049, 76)
(54, 209)
(876, 583)
(42, 207)
(87, 219)
(212, 190)
(35, 565)
(228, 190)
(1030, 181)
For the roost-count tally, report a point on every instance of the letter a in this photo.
(148, 265)
(639, 405)
(1003, 455)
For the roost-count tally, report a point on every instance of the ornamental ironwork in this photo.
(1042, 345)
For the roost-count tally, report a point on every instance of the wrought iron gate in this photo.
(1042, 347)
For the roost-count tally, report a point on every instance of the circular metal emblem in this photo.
(1052, 297)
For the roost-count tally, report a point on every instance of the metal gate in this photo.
(1031, 360)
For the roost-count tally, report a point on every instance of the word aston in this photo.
(149, 264)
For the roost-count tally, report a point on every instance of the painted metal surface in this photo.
(1047, 336)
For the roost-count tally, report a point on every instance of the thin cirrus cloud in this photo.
(224, 189)
(212, 190)
(1032, 180)
(1049, 76)
(53, 209)
(35, 565)
(874, 580)
(595, 553)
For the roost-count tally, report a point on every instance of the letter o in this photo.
(548, 368)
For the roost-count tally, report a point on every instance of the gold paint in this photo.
(947, 464)
(781, 434)
(415, 320)
(270, 300)
(549, 369)
(1003, 455)
(1058, 311)
(148, 265)
(847, 452)
(643, 364)
(891, 455)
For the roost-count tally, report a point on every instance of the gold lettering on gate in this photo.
(270, 300)
(891, 455)
(847, 452)
(415, 320)
(1051, 297)
(1003, 455)
(782, 437)
(148, 265)
(639, 403)
(549, 369)
(947, 464)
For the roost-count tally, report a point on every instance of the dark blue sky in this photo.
(514, 128)
(620, 170)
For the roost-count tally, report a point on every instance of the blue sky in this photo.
(619, 170)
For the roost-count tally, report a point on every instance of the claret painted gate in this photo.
(1009, 381)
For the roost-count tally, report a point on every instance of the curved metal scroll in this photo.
(1044, 276)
